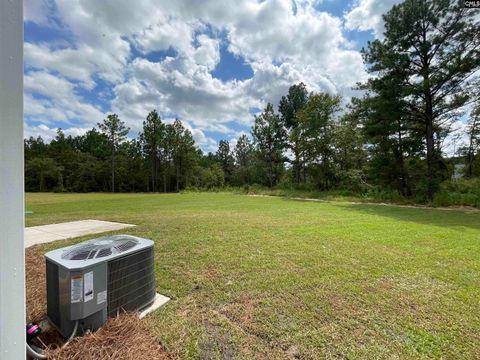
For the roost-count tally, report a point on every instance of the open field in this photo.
(272, 278)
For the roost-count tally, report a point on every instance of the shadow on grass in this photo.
(428, 216)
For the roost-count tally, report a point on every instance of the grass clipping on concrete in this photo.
(122, 337)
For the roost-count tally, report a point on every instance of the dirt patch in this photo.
(212, 273)
(216, 343)
(123, 337)
(241, 311)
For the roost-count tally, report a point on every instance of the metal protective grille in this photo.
(53, 310)
(104, 252)
(100, 248)
(127, 245)
(131, 282)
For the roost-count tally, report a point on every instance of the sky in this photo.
(212, 64)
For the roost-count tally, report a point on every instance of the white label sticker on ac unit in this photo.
(76, 288)
(101, 297)
(88, 286)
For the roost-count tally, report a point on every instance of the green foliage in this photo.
(244, 156)
(422, 67)
(116, 132)
(316, 134)
(461, 192)
(374, 151)
(471, 151)
(152, 141)
(225, 159)
(184, 155)
(269, 138)
(43, 174)
(94, 143)
(289, 108)
(171, 152)
(353, 180)
(213, 178)
(349, 142)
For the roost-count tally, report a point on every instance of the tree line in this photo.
(424, 75)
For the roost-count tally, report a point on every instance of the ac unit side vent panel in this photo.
(131, 282)
(53, 308)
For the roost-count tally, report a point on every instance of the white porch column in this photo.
(12, 272)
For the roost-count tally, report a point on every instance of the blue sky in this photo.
(213, 65)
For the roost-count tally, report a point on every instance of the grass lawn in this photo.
(272, 278)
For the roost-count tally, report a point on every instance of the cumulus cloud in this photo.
(367, 15)
(49, 133)
(50, 98)
(37, 11)
(118, 42)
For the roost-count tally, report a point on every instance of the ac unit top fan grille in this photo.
(99, 248)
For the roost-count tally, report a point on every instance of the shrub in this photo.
(213, 177)
(461, 192)
(354, 181)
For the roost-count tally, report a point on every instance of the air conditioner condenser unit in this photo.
(94, 280)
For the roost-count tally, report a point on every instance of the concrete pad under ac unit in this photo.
(159, 301)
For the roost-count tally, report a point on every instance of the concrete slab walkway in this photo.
(47, 233)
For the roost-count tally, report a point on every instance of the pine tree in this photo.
(315, 134)
(434, 45)
(473, 132)
(225, 158)
(289, 107)
(116, 132)
(151, 138)
(269, 138)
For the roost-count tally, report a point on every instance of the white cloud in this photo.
(282, 46)
(36, 11)
(57, 101)
(167, 33)
(206, 143)
(180, 86)
(273, 32)
(66, 61)
(48, 134)
(367, 15)
(207, 53)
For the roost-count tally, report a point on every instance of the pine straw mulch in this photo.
(35, 281)
(123, 337)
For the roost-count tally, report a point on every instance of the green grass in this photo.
(265, 277)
